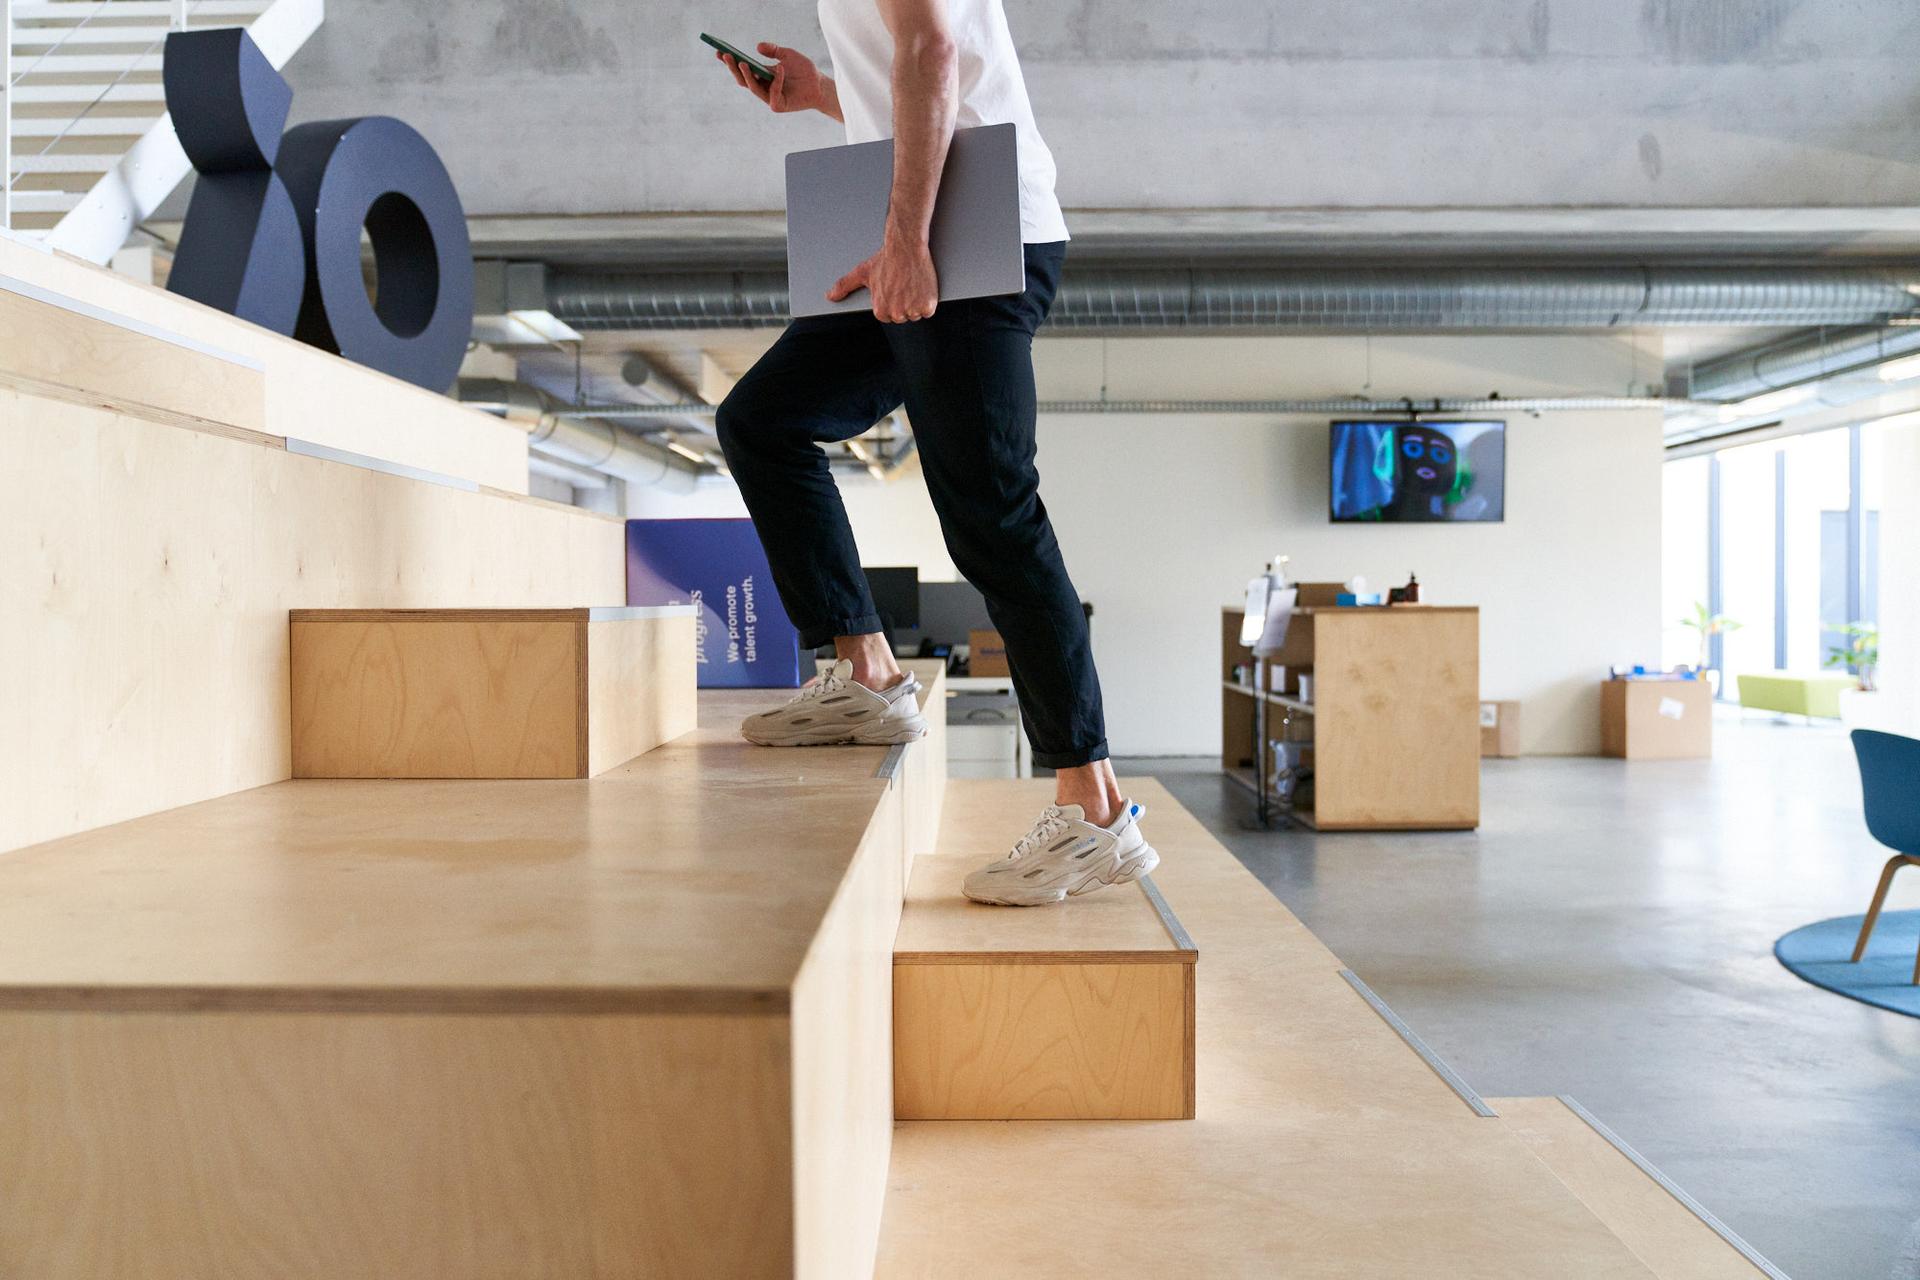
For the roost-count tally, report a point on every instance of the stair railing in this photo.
(6, 117)
(97, 226)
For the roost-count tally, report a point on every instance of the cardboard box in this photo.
(742, 636)
(987, 654)
(1318, 595)
(1500, 729)
(1656, 719)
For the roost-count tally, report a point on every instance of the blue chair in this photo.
(1890, 785)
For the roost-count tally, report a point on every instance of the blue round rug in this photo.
(1884, 977)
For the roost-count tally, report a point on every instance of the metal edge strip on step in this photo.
(34, 292)
(327, 453)
(1419, 1046)
(1175, 930)
(890, 763)
(1672, 1188)
(635, 612)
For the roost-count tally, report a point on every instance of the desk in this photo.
(1391, 728)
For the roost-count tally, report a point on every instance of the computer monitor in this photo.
(896, 594)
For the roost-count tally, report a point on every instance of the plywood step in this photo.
(632, 1025)
(1322, 1145)
(487, 693)
(1669, 1235)
(1083, 1011)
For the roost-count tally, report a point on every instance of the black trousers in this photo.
(965, 375)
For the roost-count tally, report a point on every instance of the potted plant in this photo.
(1859, 654)
(1709, 625)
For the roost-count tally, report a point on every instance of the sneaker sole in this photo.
(1126, 873)
(879, 733)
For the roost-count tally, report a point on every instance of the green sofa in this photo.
(1794, 695)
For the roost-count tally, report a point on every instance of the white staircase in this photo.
(89, 150)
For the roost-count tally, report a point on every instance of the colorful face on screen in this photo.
(1415, 471)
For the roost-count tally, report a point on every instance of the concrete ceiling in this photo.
(599, 132)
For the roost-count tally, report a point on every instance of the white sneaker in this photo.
(835, 710)
(1065, 854)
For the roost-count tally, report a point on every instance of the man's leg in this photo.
(826, 378)
(967, 376)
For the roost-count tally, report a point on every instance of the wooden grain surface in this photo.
(1117, 924)
(81, 352)
(178, 1146)
(474, 1029)
(1396, 718)
(1042, 1041)
(1000, 1013)
(474, 694)
(924, 767)
(309, 394)
(693, 876)
(842, 1019)
(1322, 1147)
(450, 699)
(152, 668)
(1660, 1230)
(640, 687)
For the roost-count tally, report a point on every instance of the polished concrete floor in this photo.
(1607, 934)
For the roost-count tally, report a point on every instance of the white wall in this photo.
(1163, 519)
(1899, 569)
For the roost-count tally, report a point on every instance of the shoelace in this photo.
(827, 683)
(1052, 823)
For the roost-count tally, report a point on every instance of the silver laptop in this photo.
(837, 217)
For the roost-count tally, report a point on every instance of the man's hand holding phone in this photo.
(797, 84)
(901, 277)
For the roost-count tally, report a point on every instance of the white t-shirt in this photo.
(991, 91)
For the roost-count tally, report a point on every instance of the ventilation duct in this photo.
(1326, 299)
(581, 442)
(1800, 359)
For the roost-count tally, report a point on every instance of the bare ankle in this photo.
(1094, 788)
(872, 659)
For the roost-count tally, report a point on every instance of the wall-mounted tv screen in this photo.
(1419, 471)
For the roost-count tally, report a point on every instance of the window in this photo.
(1794, 554)
(1817, 501)
(1747, 558)
(1683, 568)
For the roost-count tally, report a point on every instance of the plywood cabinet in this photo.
(1378, 706)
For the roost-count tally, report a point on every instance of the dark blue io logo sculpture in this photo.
(273, 231)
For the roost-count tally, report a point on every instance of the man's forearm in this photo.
(830, 100)
(925, 80)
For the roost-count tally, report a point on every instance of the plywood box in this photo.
(1500, 729)
(1656, 719)
(487, 693)
(1083, 1012)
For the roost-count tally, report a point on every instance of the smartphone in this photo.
(758, 70)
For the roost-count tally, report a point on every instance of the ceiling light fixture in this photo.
(691, 455)
(1766, 402)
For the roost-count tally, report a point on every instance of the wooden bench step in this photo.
(620, 1026)
(1323, 1146)
(1084, 1011)
(487, 693)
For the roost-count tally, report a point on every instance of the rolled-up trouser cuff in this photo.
(865, 625)
(1070, 759)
